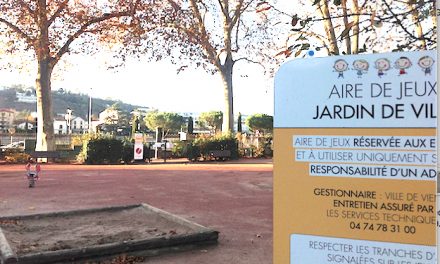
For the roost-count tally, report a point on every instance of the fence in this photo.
(255, 146)
(6, 138)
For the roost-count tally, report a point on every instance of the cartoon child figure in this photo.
(361, 67)
(382, 65)
(340, 66)
(426, 63)
(402, 64)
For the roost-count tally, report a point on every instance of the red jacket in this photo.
(33, 167)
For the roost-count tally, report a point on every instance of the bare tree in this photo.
(214, 35)
(357, 26)
(52, 28)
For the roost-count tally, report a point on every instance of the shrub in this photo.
(261, 122)
(83, 140)
(179, 149)
(268, 150)
(104, 151)
(263, 150)
(223, 142)
(127, 153)
(191, 152)
(148, 151)
(15, 156)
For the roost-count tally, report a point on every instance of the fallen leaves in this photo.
(124, 259)
(9, 222)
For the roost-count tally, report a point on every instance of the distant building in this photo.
(109, 116)
(60, 125)
(95, 124)
(142, 111)
(23, 125)
(27, 96)
(79, 125)
(7, 117)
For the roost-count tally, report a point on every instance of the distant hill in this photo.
(79, 103)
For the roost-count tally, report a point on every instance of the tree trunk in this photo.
(347, 37)
(328, 27)
(419, 30)
(45, 129)
(355, 37)
(239, 128)
(434, 16)
(228, 113)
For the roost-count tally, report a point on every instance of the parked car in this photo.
(14, 145)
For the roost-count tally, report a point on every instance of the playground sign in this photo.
(355, 159)
(138, 146)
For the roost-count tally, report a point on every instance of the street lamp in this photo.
(68, 118)
(90, 111)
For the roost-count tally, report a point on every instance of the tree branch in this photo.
(408, 12)
(222, 7)
(347, 26)
(250, 61)
(399, 22)
(236, 34)
(238, 12)
(209, 49)
(83, 29)
(17, 30)
(313, 35)
(60, 8)
(328, 26)
(356, 19)
(198, 16)
(28, 8)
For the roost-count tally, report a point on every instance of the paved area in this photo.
(233, 198)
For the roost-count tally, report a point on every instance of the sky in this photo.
(157, 84)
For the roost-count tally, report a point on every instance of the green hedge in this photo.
(99, 149)
(202, 146)
(191, 152)
(104, 151)
(113, 151)
(127, 153)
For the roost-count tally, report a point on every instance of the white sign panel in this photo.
(379, 90)
(355, 168)
(138, 146)
(307, 249)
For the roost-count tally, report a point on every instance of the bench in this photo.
(47, 154)
(220, 154)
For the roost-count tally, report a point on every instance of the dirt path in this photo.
(235, 199)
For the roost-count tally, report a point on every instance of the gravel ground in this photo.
(232, 198)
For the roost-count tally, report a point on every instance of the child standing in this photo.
(32, 171)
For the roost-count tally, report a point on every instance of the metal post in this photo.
(90, 111)
(165, 151)
(438, 135)
(68, 118)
